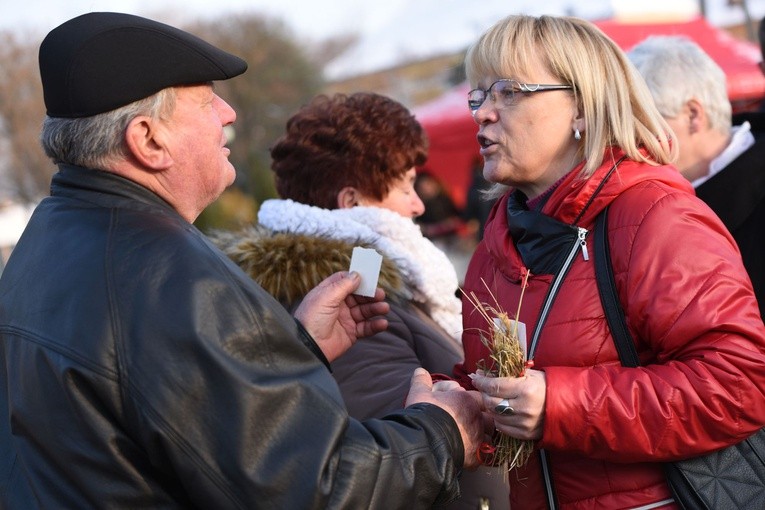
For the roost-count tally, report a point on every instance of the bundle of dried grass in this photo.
(508, 359)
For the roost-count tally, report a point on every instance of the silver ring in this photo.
(504, 407)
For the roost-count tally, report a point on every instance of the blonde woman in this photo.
(566, 129)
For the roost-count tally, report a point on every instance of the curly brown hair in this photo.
(363, 140)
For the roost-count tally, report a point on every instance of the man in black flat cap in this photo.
(139, 367)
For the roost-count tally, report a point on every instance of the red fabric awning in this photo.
(737, 58)
(453, 146)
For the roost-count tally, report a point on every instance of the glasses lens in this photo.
(504, 91)
(476, 97)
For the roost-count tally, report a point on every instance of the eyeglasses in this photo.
(502, 93)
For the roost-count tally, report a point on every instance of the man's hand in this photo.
(336, 318)
(464, 406)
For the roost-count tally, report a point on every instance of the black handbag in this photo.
(730, 478)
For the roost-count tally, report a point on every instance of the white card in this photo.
(521, 332)
(521, 335)
(367, 263)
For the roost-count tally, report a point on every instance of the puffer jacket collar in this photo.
(576, 202)
(540, 239)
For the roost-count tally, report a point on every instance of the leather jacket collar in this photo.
(102, 188)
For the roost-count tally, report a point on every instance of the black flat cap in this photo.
(100, 61)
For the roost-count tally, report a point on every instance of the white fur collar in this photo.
(425, 267)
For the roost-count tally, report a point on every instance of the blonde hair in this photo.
(617, 106)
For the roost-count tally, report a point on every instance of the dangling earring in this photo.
(577, 134)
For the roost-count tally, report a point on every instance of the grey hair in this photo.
(676, 70)
(97, 141)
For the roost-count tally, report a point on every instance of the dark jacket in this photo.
(374, 374)
(689, 305)
(737, 195)
(143, 369)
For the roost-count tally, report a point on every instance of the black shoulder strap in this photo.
(608, 296)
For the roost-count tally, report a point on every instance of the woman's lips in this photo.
(485, 143)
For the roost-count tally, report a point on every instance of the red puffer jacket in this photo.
(690, 307)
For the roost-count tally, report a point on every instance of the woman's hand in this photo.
(524, 413)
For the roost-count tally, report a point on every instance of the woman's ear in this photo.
(347, 197)
(579, 123)
(143, 137)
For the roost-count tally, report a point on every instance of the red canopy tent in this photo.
(453, 147)
(739, 59)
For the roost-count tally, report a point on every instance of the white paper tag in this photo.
(367, 262)
(521, 332)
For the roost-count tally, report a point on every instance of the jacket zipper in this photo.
(579, 244)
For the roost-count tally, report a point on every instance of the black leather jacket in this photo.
(140, 368)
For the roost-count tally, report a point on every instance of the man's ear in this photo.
(144, 140)
(697, 116)
(347, 197)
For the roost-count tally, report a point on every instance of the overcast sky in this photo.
(390, 30)
(321, 18)
(314, 18)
